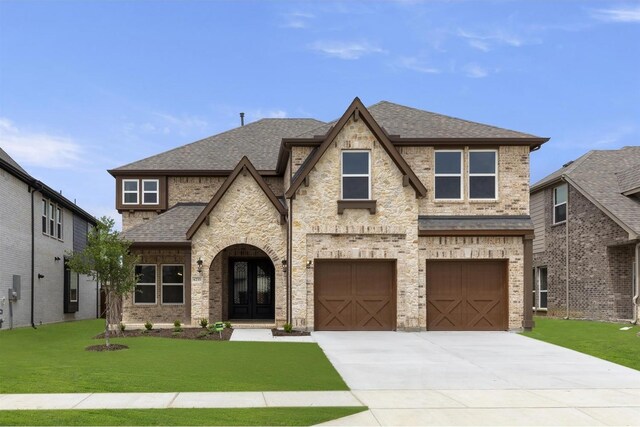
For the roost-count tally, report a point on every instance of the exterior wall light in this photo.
(199, 262)
(284, 265)
(309, 264)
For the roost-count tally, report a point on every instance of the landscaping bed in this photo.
(186, 333)
(282, 333)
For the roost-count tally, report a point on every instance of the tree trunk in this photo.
(107, 317)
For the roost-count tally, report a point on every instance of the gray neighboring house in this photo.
(38, 226)
(587, 218)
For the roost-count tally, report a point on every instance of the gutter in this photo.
(33, 254)
(566, 249)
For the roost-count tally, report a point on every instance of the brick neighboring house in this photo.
(38, 226)
(388, 218)
(587, 217)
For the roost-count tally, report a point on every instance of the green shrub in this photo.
(203, 334)
(287, 328)
(148, 326)
(177, 323)
(122, 327)
(227, 324)
(204, 322)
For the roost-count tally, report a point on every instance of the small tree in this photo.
(107, 258)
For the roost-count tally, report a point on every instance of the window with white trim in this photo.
(45, 215)
(560, 204)
(483, 180)
(172, 284)
(145, 291)
(150, 191)
(448, 175)
(73, 289)
(356, 175)
(130, 191)
(59, 223)
(52, 219)
(540, 289)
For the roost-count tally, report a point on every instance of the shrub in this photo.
(287, 328)
(203, 334)
(204, 322)
(122, 327)
(177, 323)
(227, 324)
(148, 326)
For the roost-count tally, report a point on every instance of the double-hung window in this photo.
(59, 223)
(145, 292)
(483, 183)
(540, 288)
(130, 191)
(150, 191)
(356, 175)
(45, 215)
(172, 284)
(448, 174)
(560, 204)
(52, 219)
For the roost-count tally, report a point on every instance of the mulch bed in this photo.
(187, 334)
(103, 347)
(282, 333)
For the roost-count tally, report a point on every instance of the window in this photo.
(560, 204)
(73, 289)
(173, 284)
(149, 191)
(45, 215)
(448, 173)
(130, 191)
(482, 174)
(145, 292)
(540, 288)
(356, 175)
(52, 219)
(59, 223)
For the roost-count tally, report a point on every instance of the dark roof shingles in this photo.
(168, 227)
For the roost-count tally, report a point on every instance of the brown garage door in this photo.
(354, 295)
(466, 295)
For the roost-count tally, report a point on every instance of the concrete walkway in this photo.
(264, 335)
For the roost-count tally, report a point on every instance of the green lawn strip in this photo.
(52, 359)
(178, 417)
(599, 339)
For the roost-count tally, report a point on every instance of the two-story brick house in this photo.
(587, 237)
(38, 227)
(387, 218)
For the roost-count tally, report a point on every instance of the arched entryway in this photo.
(242, 285)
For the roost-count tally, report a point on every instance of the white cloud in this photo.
(346, 50)
(297, 20)
(486, 41)
(476, 71)
(253, 115)
(39, 149)
(599, 138)
(167, 124)
(415, 64)
(621, 14)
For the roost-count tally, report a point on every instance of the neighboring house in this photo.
(587, 237)
(388, 218)
(38, 226)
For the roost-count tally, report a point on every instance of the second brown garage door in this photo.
(466, 295)
(354, 295)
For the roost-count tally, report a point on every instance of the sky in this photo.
(92, 85)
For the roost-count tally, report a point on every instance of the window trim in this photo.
(555, 205)
(355, 175)
(143, 192)
(537, 290)
(460, 175)
(59, 223)
(155, 286)
(77, 288)
(45, 216)
(52, 219)
(162, 284)
(494, 174)
(125, 192)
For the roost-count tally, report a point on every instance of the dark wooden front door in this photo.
(354, 295)
(467, 295)
(251, 289)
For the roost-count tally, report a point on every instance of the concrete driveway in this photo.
(478, 378)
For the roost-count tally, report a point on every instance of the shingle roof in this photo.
(260, 141)
(466, 223)
(629, 179)
(8, 159)
(168, 227)
(408, 122)
(596, 175)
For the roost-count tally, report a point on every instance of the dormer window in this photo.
(356, 175)
(150, 191)
(130, 191)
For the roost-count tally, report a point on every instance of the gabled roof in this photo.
(598, 175)
(260, 141)
(243, 166)
(359, 112)
(169, 227)
(629, 180)
(4, 156)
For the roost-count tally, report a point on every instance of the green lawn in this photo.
(178, 417)
(599, 339)
(52, 359)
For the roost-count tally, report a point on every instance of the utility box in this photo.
(14, 292)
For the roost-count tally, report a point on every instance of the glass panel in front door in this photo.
(263, 285)
(240, 282)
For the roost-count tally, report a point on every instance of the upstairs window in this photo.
(150, 191)
(540, 288)
(130, 191)
(560, 204)
(448, 174)
(59, 223)
(45, 215)
(356, 175)
(172, 284)
(145, 292)
(52, 219)
(482, 174)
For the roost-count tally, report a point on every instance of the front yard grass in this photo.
(178, 417)
(52, 359)
(599, 339)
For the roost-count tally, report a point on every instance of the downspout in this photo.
(33, 263)
(289, 251)
(637, 286)
(566, 252)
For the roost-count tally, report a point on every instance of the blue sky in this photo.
(88, 86)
